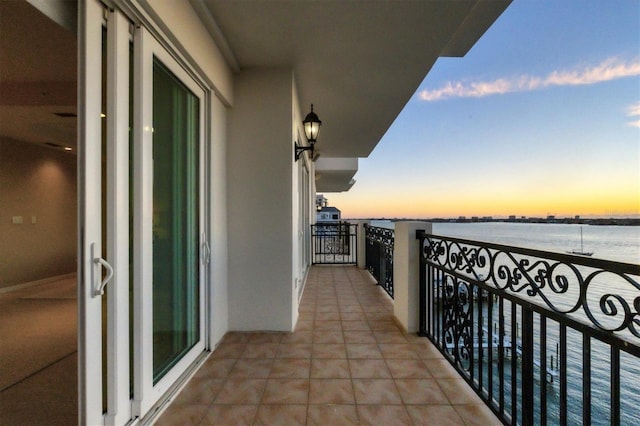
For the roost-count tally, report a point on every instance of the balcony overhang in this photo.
(335, 174)
(359, 63)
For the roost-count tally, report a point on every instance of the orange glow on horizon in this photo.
(560, 204)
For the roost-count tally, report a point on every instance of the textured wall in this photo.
(37, 184)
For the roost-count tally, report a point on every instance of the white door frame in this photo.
(146, 394)
(93, 17)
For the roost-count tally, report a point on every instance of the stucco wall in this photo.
(36, 182)
(259, 179)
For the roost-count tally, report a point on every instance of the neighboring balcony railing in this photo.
(543, 338)
(334, 243)
(379, 255)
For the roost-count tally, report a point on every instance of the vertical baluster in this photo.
(615, 386)
(563, 374)
(527, 366)
(586, 379)
(501, 334)
(490, 344)
(480, 337)
(514, 364)
(543, 370)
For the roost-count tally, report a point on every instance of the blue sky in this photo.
(541, 117)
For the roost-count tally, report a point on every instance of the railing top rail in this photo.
(613, 266)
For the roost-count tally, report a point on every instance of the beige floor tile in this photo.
(289, 415)
(328, 325)
(187, 415)
(421, 391)
(328, 336)
(359, 337)
(241, 391)
(363, 351)
(442, 369)
(390, 337)
(384, 326)
(294, 350)
(351, 316)
(216, 368)
(199, 390)
(256, 368)
(376, 415)
(327, 316)
(477, 415)
(329, 350)
(331, 414)
(397, 351)
(458, 391)
(428, 415)
(290, 368)
(376, 391)
(224, 415)
(359, 325)
(261, 350)
(286, 391)
(304, 325)
(297, 337)
(408, 369)
(330, 368)
(331, 391)
(265, 337)
(229, 350)
(369, 369)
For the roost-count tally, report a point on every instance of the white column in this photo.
(362, 242)
(406, 274)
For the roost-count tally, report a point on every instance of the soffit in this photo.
(358, 62)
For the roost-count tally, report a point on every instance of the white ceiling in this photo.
(37, 77)
(358, 62)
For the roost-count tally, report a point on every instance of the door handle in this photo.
(206, 250)
(99, 288)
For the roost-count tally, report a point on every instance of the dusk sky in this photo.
(541, 117)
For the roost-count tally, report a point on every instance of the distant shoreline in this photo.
(571, 221)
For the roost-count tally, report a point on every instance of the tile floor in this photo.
(347, 363)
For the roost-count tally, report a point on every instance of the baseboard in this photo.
(47, 280)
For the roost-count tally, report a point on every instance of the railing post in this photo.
(362, 243)
(406, 274)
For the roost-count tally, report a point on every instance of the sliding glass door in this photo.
(142, 236)
(176, 205)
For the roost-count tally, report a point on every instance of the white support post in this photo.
(362, 243)
(406, 274)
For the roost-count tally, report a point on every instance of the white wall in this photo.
(259, 183)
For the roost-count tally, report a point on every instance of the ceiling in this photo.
(358, 62)
(37, 77)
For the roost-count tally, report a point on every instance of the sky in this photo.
(541, 117)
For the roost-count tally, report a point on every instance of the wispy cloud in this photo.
(610, 69)
(634, 112)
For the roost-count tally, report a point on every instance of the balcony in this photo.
(347, 362)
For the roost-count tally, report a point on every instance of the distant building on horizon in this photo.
(324, 212)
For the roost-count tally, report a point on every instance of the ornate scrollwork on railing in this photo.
(604, 295)
(379, 255)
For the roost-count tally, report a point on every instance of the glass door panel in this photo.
(176, 281)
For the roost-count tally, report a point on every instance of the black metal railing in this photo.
(379, 255)
(334, 243)
(543, 338)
